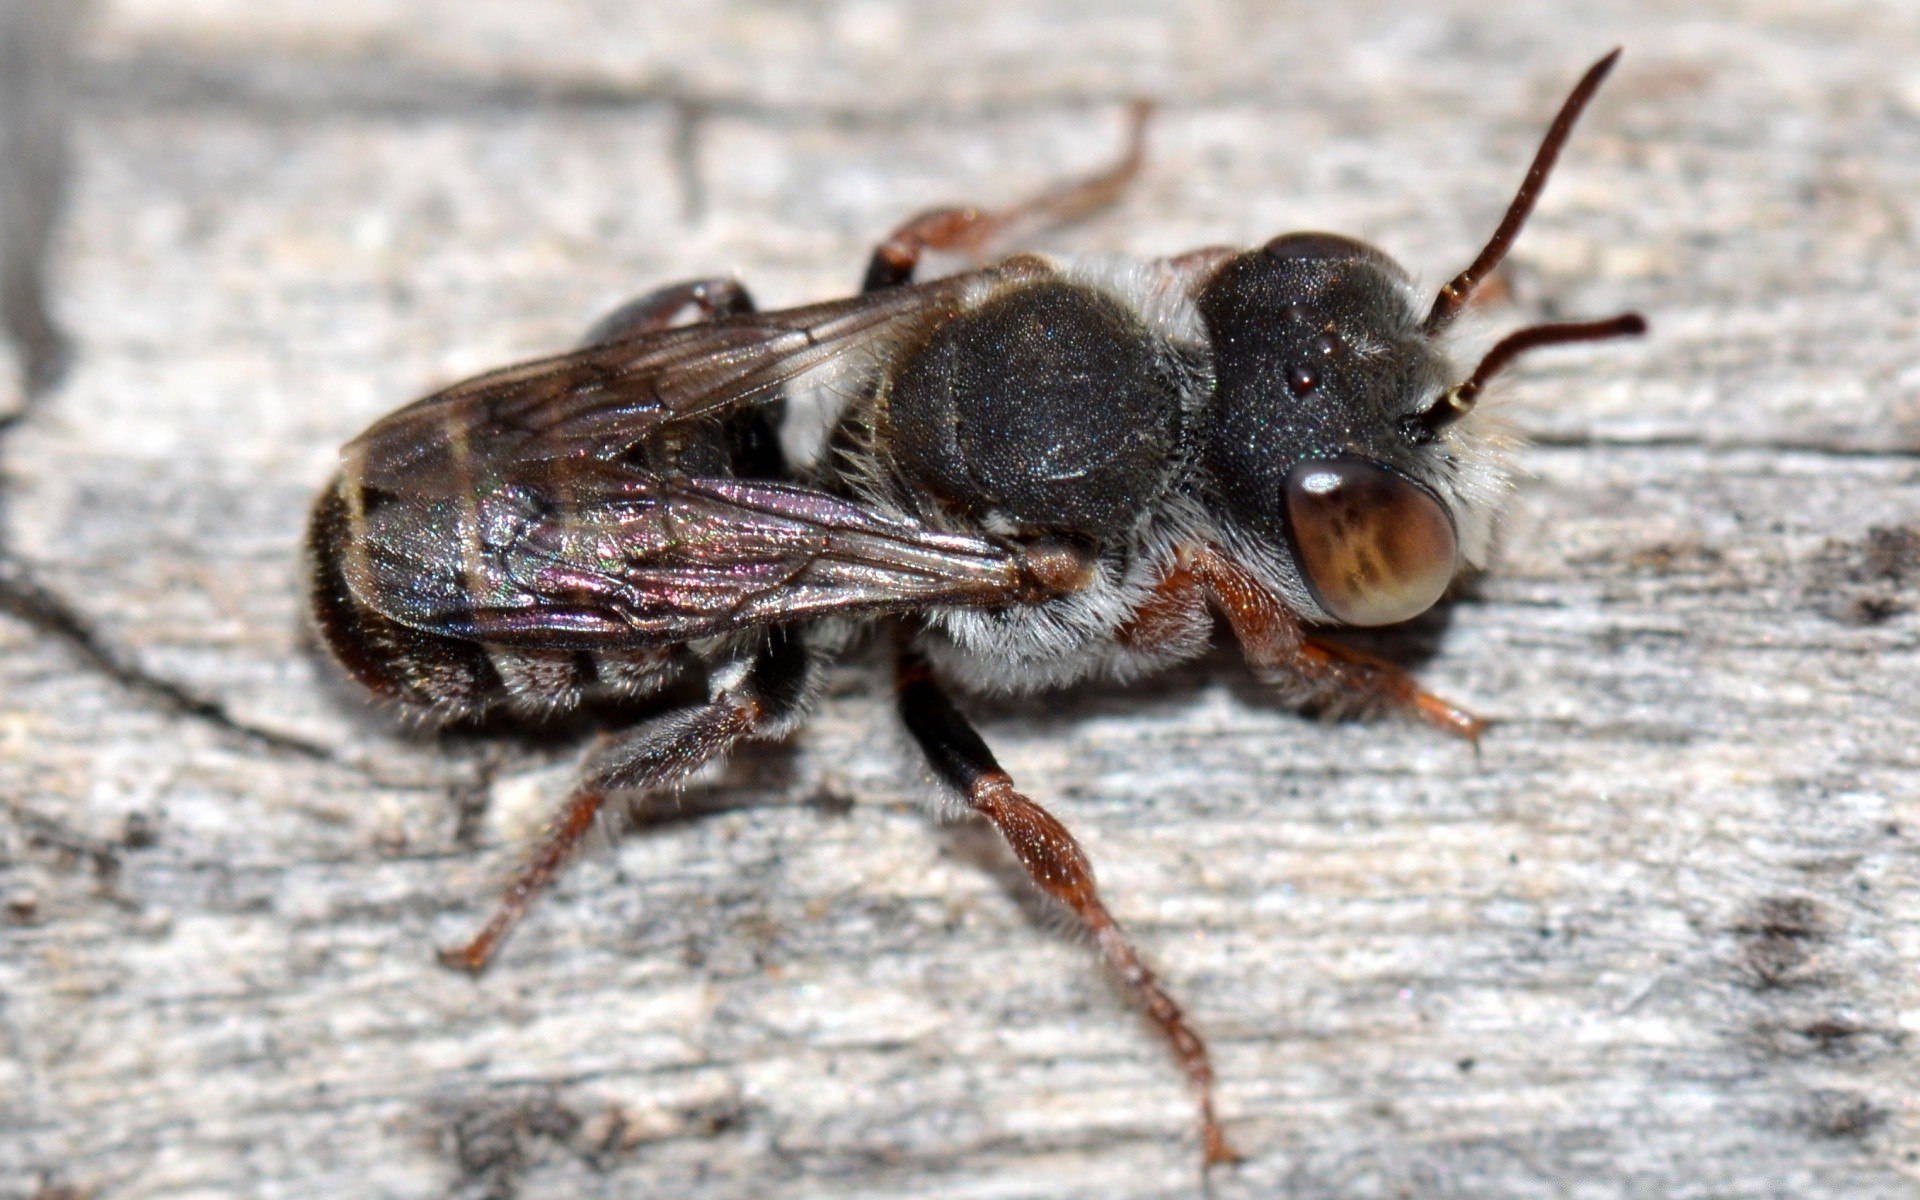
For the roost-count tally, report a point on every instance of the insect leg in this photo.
(762, 695)
(970, 231)
(1055, 862)
(578, 817)
(1272, 639)
(658, 309)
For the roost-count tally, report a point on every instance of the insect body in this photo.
(1033, 472)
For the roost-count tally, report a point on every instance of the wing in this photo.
(508, 509)
(622, 558)
(602, 399)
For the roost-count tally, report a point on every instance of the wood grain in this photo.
(1659, 937)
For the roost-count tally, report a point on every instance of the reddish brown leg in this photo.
(1272, 639)
(657, 754)
(1365, 672)
(1055, 862)
(533, 879)
(746, 698)
(969, 231)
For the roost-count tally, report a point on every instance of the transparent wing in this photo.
(601, 399)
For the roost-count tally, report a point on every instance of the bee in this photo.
(1030, 473)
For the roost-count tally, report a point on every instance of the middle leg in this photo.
(1055, 862)
(972, 231)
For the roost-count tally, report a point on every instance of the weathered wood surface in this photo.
(1660, 937)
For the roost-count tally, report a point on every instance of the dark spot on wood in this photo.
(69, 847)
(1675, 558)
(1868, 582)
(1775, 941)
(832, 801)
(1785, 916)
(139, 832)
(1838, 1037)
(1873, 610)
(22, 908)
(1839, 1114)
(1893, 553)
(1831, 1031)
(490, 1140)
(470, 799)
(712, 1120)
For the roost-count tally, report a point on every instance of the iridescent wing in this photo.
(639, 560)
(509, 510)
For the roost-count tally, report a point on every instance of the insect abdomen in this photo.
(455, 677)
(419, 669)
(1048, 405)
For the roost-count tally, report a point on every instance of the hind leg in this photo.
(663, 308)
(758, 697)
(971, 231)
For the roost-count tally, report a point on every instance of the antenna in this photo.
(1458, 401)
(1454, 296)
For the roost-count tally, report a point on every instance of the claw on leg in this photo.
(1357, 669)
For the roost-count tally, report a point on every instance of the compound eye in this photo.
(1375, 547)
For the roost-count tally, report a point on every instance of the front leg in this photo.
(1055, 862)
(1274, 643)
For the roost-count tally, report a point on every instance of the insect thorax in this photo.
(1048, 408)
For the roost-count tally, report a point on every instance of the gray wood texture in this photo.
(1660, 936)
